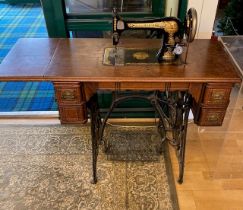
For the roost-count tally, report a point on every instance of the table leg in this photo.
(95, 130)
(175, 120)
(183, 113)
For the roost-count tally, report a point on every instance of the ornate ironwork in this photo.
(172, 108)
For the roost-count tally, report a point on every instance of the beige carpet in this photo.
(49, 167)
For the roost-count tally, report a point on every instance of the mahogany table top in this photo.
(82, 60)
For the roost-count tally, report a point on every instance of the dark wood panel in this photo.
(142, 86)
(211, 116)
(73, 114)
(217, 94)
(69, 93)
(71, 102)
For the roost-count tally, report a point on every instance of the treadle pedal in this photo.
(130, 145)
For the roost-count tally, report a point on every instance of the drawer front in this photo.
(68, 95)
(217, 96)
(71, 102)
(211, 117)
(142, 86)
(73, 114)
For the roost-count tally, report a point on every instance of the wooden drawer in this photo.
(216, 96)
(211, 116)
(69, 93)
(73, 114)
(142, 86)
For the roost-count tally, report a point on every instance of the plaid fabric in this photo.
(27, 96)
(18, 21)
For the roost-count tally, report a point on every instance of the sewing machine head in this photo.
(172, 29)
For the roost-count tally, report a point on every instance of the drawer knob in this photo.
(68, 95)
(213, 118)
(218, 96)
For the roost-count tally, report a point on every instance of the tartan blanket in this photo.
(19, 21)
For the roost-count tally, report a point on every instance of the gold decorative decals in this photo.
(68, 95)
(213, 117)
(140, 55)
(114, 23)
(168, 26)
(168, 56)
(171, 27)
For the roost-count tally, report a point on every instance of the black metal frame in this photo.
(172, 108)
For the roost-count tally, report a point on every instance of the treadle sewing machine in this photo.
(171, 49)
(177, 103)
(203, 83)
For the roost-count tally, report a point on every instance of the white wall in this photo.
(206, 11)
(171, 8)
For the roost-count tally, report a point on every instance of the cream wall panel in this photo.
(171, 8)
(206, 10)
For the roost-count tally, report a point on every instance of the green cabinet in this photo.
(63, 16)
(20, 1)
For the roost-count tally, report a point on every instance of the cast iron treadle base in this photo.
(172, 108)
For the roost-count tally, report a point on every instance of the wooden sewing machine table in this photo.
(75, 66)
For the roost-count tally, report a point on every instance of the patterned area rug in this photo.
(49, 167)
